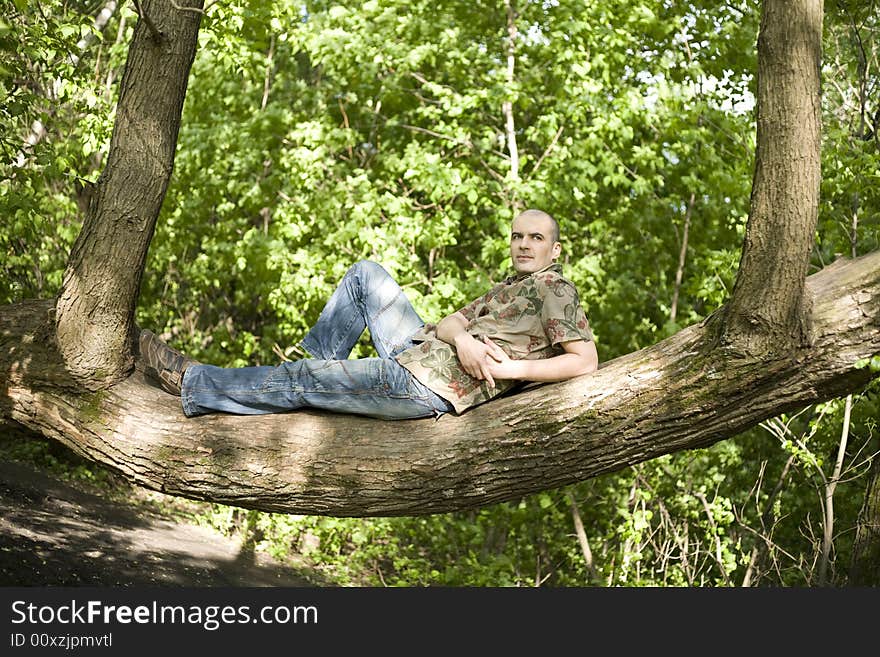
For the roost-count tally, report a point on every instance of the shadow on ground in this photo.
(53, 533)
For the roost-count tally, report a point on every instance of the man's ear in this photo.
(557, 249)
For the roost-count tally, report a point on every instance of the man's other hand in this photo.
(499, 364)
(477, 357)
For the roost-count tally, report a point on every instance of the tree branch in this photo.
(157, 34)
(582, 537)
(768, 309)
(682, 256)
(666, 398)
(546, 151)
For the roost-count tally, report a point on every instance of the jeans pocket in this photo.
(402, 384)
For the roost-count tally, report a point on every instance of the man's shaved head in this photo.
(534, 241)
(554, 235)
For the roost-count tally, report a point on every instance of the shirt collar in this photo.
(514, 278)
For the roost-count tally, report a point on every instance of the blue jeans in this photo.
(377, 387)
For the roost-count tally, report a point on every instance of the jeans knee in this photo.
(367, 268)
(367, 275)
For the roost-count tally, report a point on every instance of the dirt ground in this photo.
(61, 534)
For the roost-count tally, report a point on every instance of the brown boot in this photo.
(162, 363)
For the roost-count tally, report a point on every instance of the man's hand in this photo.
(500, 365)
(485, 360)
(472, 354)
(477, 358)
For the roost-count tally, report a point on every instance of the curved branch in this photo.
(665, 398)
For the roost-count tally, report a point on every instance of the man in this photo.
(530, 327)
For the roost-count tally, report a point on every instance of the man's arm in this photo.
(580, 357)
(472, 354)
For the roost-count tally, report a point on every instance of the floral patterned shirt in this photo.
(527, 315)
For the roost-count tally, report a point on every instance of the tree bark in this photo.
(665, 398)
(768, 310)
(95, 308)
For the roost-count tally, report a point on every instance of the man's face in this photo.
(531, 243)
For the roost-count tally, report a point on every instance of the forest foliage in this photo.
(315, 134)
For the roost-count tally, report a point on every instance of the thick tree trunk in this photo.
(768, 309)
(95, 308)
(662, 399)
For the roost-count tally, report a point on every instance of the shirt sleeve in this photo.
(563, 317)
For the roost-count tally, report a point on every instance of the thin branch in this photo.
(765, 519)
(346, 124)
(546, 151)
(828, 524)
(421, 78)
(507, 105)
(492, 171)
(863, 69)
(267, 81)
(680, 540)
(192, 9)
(681, 258)
(714, 527)
(736, 9)
(769, 544)
(416, 128)
(157, 35)
(582, 536)
(467, 143)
